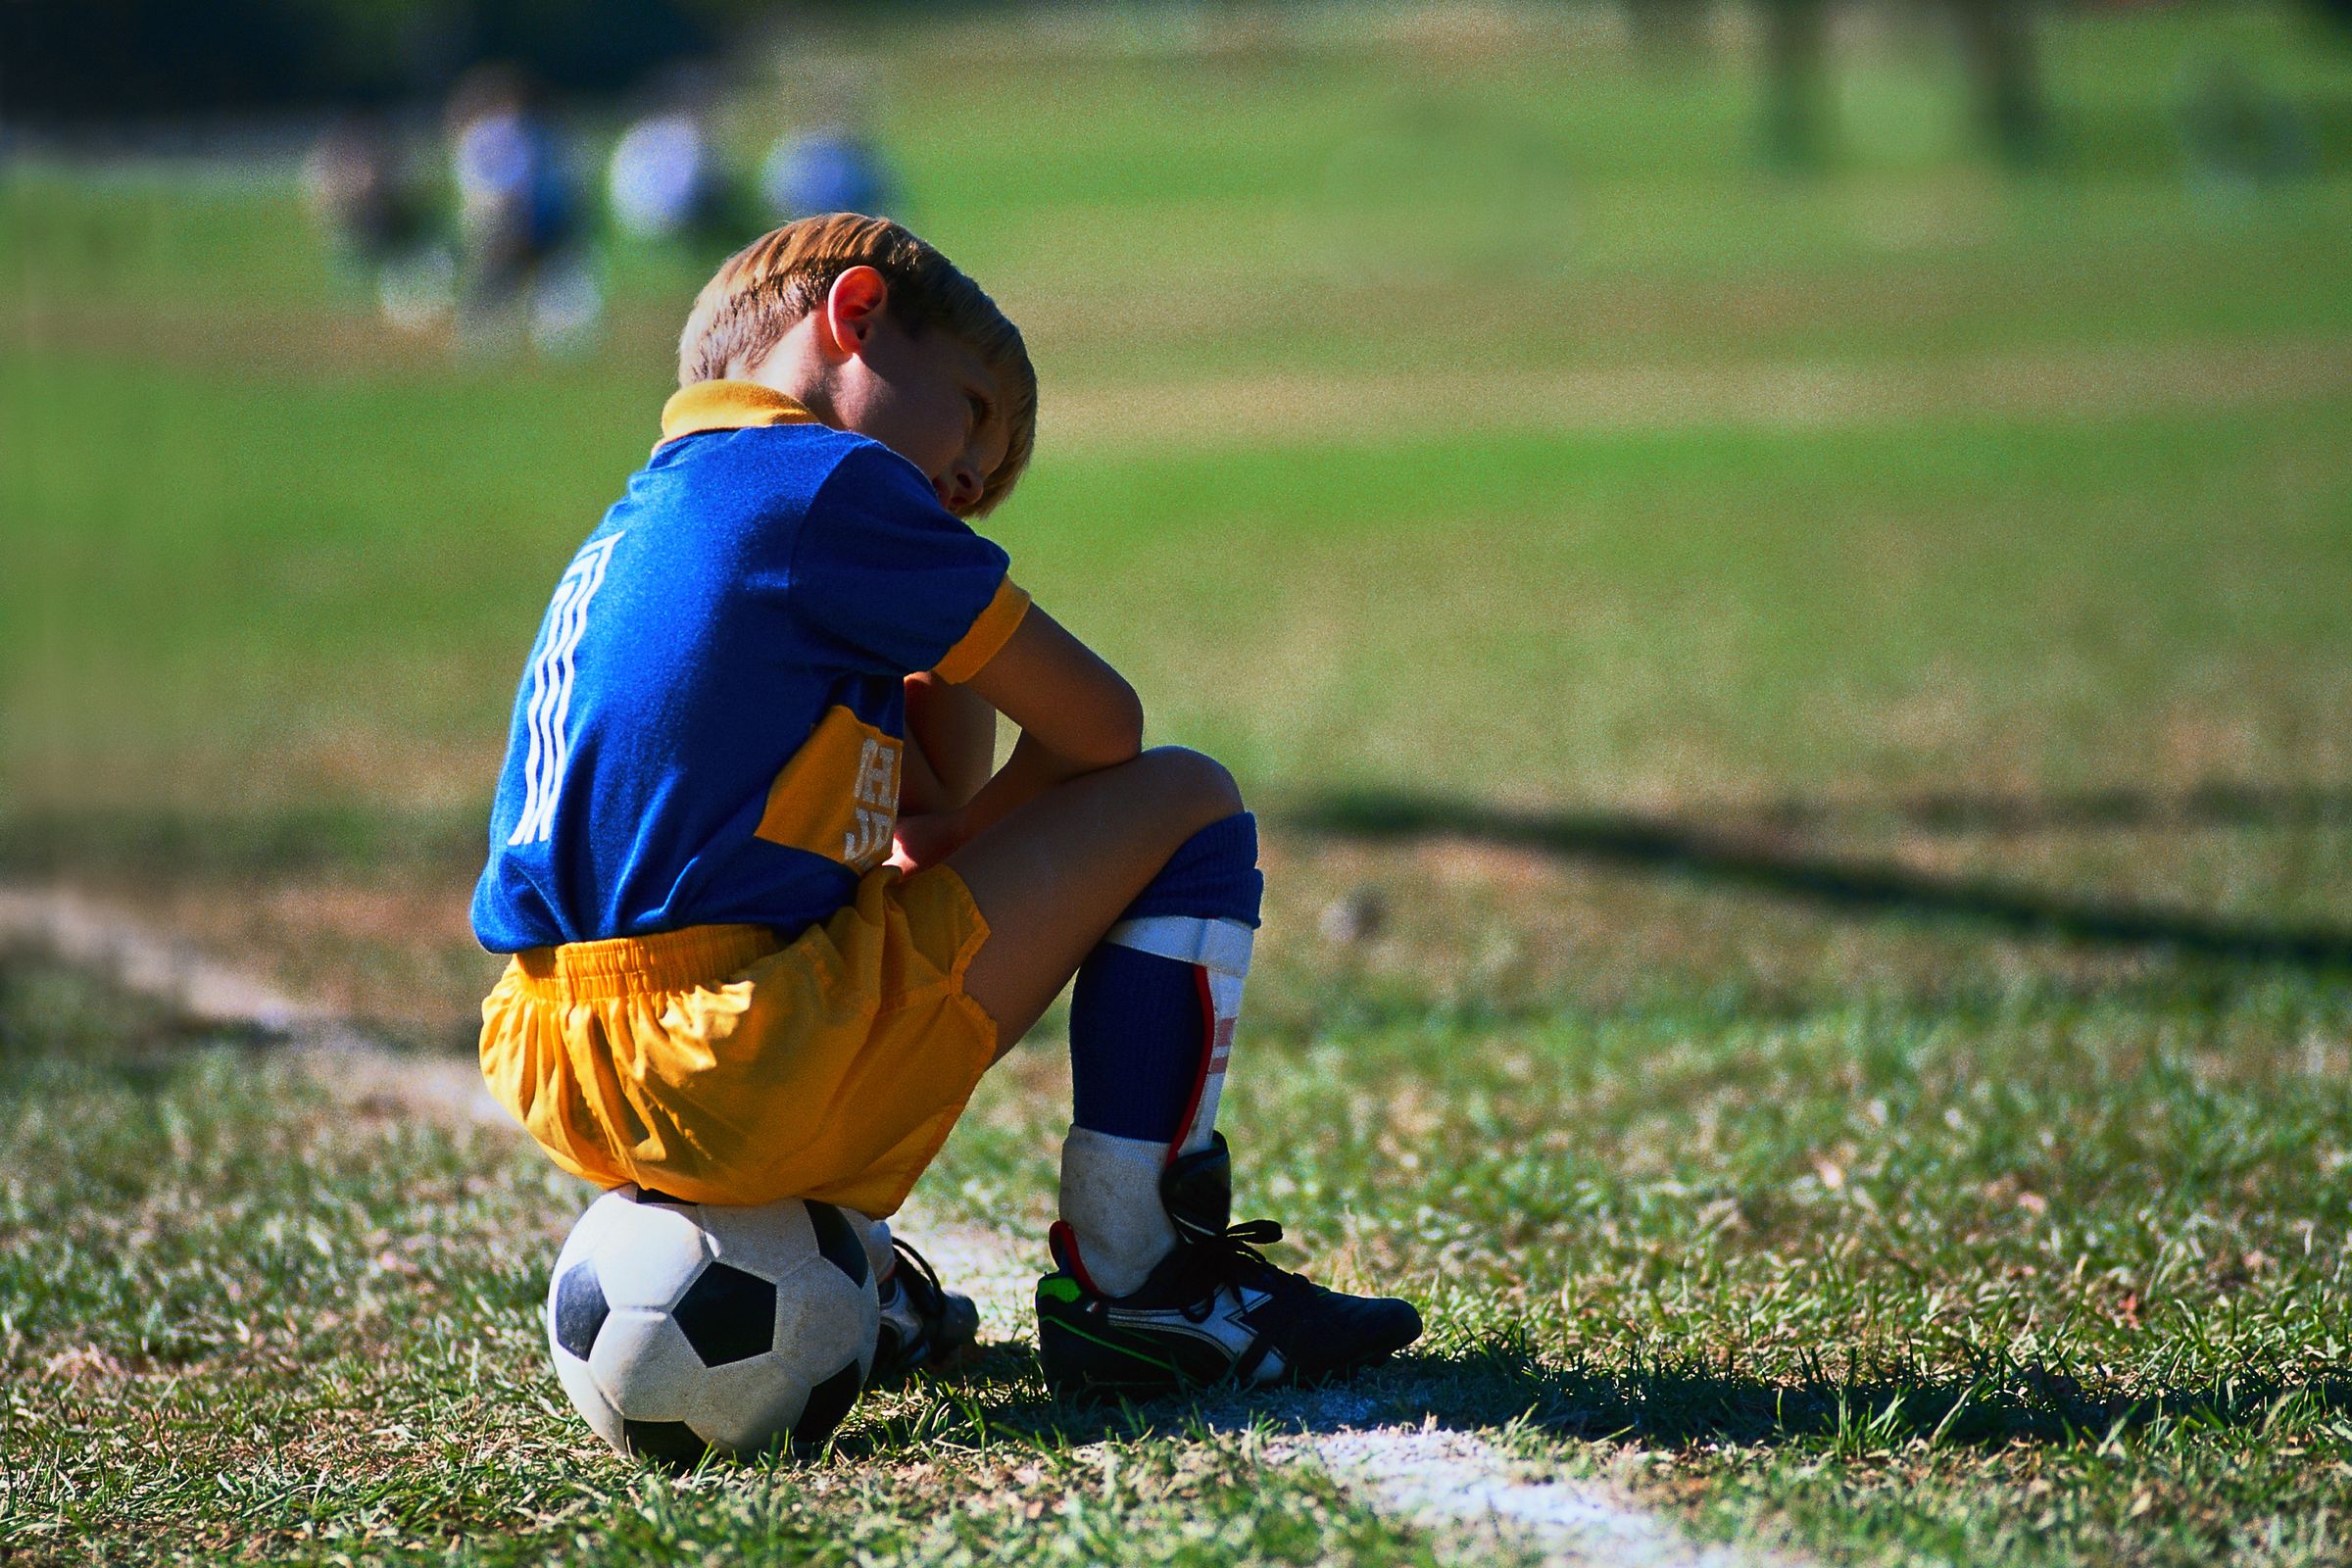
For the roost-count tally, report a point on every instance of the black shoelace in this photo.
(1232, 1256)
(927, 1306)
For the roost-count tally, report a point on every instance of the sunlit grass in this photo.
(1809, 937)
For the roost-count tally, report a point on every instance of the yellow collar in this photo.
(727, 406)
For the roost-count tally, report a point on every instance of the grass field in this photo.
(1834, 690)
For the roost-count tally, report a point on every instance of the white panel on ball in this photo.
(645, 1367)
(749, 1406)
(770, 1240)
(649, 1254)
(593, 1225)
(823, 1321)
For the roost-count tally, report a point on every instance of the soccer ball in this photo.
(682, 1328)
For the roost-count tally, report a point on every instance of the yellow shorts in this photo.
(724, 1066)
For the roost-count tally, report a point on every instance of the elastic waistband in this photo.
(669, 961)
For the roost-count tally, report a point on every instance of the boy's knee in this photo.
(1198, 780)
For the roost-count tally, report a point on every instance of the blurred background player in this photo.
(360, 184)
(667, 183)
(831, 168)
(524, 269)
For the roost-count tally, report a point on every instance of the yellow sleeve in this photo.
(991, 630)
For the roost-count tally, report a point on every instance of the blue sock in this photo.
(1142, 1025)
(1151, 1022)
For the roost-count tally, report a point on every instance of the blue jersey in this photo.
(710, 726)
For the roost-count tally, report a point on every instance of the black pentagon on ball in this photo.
(580, 1309)
(828, 1403)
(838, 1241)
(670, 1442)
(727, 1315)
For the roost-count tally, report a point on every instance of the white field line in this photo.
(1453, 1482)
(155, 964)
(1449, 1481)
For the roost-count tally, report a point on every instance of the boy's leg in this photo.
(1158, 989)
(1156, 911)
(1151, 1020)
(1144, 880)
(1154, 908)
(1059, 872)
(923, 1325)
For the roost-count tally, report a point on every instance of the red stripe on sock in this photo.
(1065, 1242)
(1208, 1052)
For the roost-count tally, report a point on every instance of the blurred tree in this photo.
(1667, 32)
(1996, 44)
(1795, 116)
(63, 60)
(1996, 50)
(592, 45)
(66, 61)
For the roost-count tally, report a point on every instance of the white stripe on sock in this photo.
(1220, 946)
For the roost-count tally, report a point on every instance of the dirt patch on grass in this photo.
(1736, 905)
(1285, 408)
(1289, 408)
(294, 341)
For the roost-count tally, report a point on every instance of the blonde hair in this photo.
(764, 289)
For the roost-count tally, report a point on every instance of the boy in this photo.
(771, 917)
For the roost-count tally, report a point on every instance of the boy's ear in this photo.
(852, 308)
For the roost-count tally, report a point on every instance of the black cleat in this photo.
(1213, 1311)
(925, 1327)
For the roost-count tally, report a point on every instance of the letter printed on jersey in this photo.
(839, 795)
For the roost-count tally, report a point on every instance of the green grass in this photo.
(1574, 617)
(337, 543)
(1852, 1035)
(241, 1322)
(1893, 1276)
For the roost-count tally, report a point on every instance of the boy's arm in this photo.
(952, 733)
(1076, 715)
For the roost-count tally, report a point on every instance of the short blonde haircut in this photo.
(763, 290)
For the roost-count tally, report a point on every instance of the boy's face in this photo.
(930, 398)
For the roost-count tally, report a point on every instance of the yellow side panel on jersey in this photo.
(839, 795)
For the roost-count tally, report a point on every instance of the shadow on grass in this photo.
(2205, 808)
(1995, 1404)
(1678, 848)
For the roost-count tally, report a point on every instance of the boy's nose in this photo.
(958, 488)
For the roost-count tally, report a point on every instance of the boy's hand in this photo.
(925, 839)
(951, 745)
